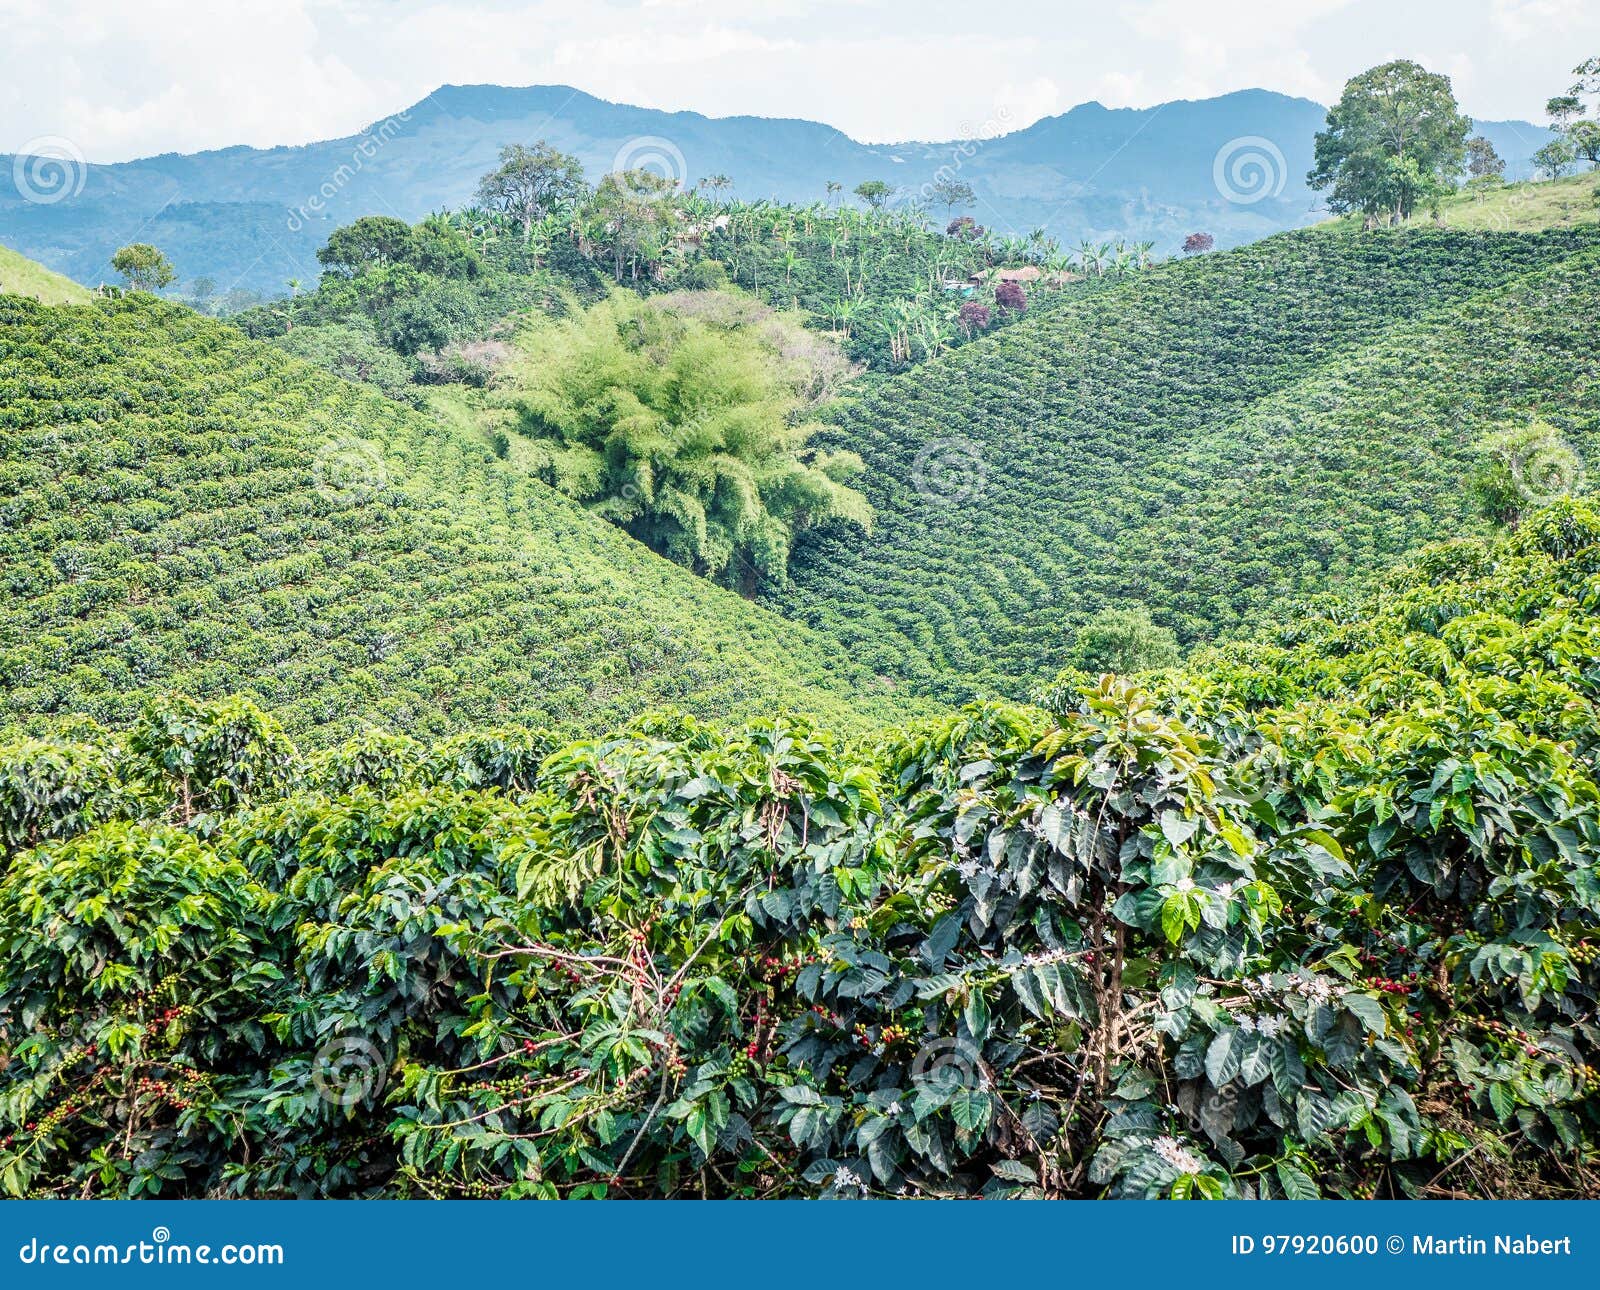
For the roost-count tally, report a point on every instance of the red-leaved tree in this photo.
(1010, 295)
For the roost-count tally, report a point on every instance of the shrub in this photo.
(1521, 467)
(149, 955)
(686, 433)
(1123, 641)
(1307, 918)
(55, 788)
(974, 315)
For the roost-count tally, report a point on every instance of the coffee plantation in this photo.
(183, 508)
(1209, 440)
(1316, 914)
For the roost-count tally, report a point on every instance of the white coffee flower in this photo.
(1179, 1156)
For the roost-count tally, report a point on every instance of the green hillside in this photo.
(20, 276)
(181, 507)
(1525, 207)
(1205, 438)
(1317, 919)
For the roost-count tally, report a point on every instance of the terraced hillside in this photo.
(181, 507)
(1207, 438)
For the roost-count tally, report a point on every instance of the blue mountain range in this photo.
(1233, 166)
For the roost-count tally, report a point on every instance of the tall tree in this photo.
(632, 211)
(1584, 136)
(874, 192)
(1552, 160)
(1588, 74)
(950, 192)
(1562, 109)
(531, 182)
(143, 267)
(372, 242)
(1483, 162)
(1395, 137)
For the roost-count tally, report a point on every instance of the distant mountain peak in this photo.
(254, 217)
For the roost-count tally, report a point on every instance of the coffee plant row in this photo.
(1206, 438)
(1317, 916)
(184, 508)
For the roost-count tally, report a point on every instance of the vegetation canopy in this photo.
(682, 420)
(1395, 138)
(1317, 917)
(623, 691)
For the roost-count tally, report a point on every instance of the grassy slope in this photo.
(186, 508)
(1525, 207)
(20, 276)
(1209, 438)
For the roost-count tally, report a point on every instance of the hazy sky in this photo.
(123, 79)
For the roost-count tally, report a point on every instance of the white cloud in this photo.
(1520, 19)
(1017, 106)
(126, 80)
